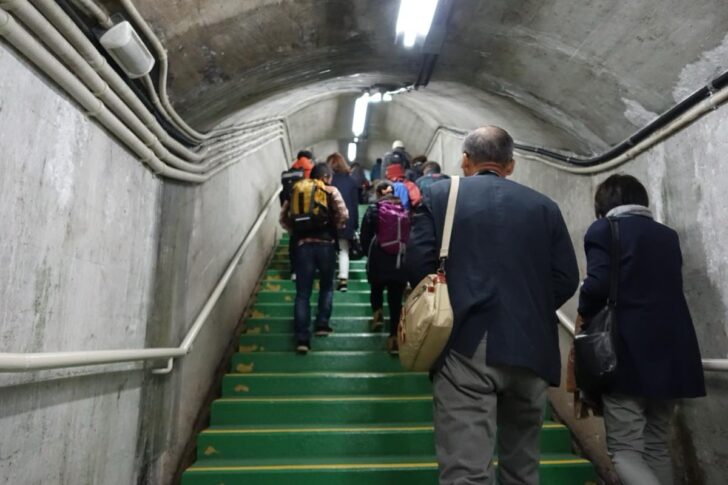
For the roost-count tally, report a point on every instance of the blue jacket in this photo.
(350, 193)
(658, 354)
(511, 266)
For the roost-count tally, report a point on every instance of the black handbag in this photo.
(356, 252)
(595, 346)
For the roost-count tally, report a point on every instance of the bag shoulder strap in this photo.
(449, 217)
(614, 262)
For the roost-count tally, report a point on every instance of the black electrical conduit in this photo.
(661, 121)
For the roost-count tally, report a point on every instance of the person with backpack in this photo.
(313, 214)
(384, 234)
(398, 156)
(404, 188)
(300, 169)
(349, 190)
(431, 173)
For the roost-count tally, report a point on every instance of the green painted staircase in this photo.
(346, 413)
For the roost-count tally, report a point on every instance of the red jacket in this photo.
(395, 173)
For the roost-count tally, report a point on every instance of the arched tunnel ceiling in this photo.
(596, 70)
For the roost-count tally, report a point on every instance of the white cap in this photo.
(397, 144)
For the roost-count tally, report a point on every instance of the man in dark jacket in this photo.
(511, 266)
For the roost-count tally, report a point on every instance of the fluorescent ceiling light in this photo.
(352, 152)
(415, 19)
(375, 98)
(360, 114)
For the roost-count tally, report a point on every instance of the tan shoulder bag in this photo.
(427, 316)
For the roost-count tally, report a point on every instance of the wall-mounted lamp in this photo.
(126, 47)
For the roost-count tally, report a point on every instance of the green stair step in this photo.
(321, 410)
(338, 310)
(356, 274)
(284, 259)
(339, 441)
(285, 324)
(325, 383)
(289, 296)
(555, 469)
(283, 283)
(355, 361)
(281, 342)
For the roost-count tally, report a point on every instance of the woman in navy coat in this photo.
(349, 190)
(657, 351)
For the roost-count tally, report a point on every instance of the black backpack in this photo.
(288, 180)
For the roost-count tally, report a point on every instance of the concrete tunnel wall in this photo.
(98, 253)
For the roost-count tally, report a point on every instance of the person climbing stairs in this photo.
(345, 413)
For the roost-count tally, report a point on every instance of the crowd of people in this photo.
(511, 266)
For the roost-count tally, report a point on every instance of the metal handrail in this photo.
(708, 364)
(21, 362)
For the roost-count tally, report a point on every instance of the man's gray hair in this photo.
(489, 144)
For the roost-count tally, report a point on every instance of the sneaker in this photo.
(377, 320)
(302, 347)
(323, 330)
(293, 276)
(342, 286)
(392, 345)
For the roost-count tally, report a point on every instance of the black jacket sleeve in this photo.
(595, 290)
(368, 227)
(422, 251)
(564, 269)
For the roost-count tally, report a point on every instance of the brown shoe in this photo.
(392, 345)
(377, 320)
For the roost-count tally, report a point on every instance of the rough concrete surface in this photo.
(77, 251)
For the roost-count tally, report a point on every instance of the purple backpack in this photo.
(393, 227)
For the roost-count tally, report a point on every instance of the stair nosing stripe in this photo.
(325, 398)
(356, 466)
(327, 374)
(361, 429)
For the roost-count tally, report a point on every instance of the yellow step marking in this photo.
(257, 314)
(252, 331)
(248, 348)
(325, 398)
(272, 287)
(242, 388)
(211, 451)
(245, 368)
(353, 466)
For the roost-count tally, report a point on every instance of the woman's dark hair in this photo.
(619, 189)
(320, 171)
(381, 187)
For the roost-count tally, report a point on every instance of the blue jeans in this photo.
(307, 259)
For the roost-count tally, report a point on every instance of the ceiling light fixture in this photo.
(415, 19)
(360, 114)
(351, 152)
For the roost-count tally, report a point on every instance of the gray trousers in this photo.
(637, 432)
(471, 401)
